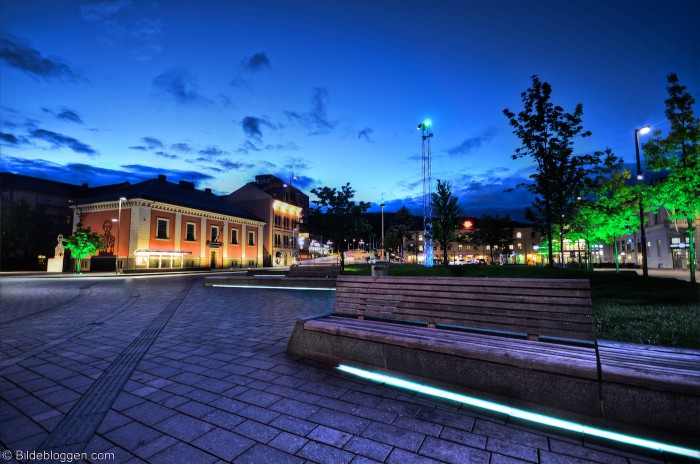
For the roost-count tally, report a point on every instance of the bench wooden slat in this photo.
(468, 281)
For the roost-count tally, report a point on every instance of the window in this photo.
(214, 233)
(519, 235)
(162, 229)
(190, 232)
(234, 236)
(658, 248)
(251, 238)
(520, 246)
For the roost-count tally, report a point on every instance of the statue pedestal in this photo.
(55, 265)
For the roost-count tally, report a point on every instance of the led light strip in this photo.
(521, 413)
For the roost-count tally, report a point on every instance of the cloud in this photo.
(100, 10)
(248, 146)
(164, 154)
(236, 165)
(64, 114)
(472, 143)
(316, 119)
(25, 58)
(149, 144)
(365, 134)
(181, 86)
(11, 139)
(255, 63)
(212, 152)
(78, 173)
(182, 147)
(60, 140)
(252, 126)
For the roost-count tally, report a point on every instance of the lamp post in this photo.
(640, 178)
(383, 205)
(119, 229)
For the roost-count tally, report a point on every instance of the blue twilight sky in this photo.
(215, 92)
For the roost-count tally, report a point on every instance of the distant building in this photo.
(166, 225)
(283, 208)
(53, 199)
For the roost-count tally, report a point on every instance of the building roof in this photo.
(181, 194)
(11, 181)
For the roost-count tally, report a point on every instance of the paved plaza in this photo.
(161, 369)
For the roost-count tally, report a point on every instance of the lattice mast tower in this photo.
(427, 135)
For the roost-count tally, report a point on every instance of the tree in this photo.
(493, 231)
(403, 226)
(25, 233)
(338, 217)
(679, 154)
(83, 243)
(547, 134)
(446, 216)
(608, 207)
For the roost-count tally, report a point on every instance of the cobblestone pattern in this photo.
(217, 386)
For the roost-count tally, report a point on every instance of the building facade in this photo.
(283, 208)
(157, 224)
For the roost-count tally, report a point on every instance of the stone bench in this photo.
(527, 340)
(320, 272)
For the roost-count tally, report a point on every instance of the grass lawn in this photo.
(626, 306)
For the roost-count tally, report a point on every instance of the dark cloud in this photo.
(251, 126)
(11, 139)
(472, 143)
(315, 121)
(212, 152)
(25, 58)
(182, 147)
(149, 143)
(65, 114)
(181, 86)
(248, 146)
(365, 134)
(164, 154)
(78, 173)
(257, 62)
(236, 165)
(60, 140)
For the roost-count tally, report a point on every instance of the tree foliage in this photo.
(338, 217)
(25, 231)
(547, 135)
(402, 227)
(494, 232)
(446, 217)
(82, 243)
(679, 154)
(608, 207)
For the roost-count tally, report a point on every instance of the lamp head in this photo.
(122, 198)
(644, 130)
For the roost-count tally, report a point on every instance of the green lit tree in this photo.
(608, 208)
(82, 243)
(446, 217)
(547, 134)
(679, 154)
(494, 232)
(338, 217)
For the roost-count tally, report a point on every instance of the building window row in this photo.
(163, 232)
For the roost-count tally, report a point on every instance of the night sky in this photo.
(328, 92)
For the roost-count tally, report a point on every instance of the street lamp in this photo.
(640, 178)
(383, 205)
(119, 229)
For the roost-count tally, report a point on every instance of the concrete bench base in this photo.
(522, 375)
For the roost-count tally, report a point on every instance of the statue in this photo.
(107, 239)
(59, 247)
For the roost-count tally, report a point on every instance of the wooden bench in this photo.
(528, 340)
(315, 272)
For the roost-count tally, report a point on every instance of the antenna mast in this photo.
(427, 135)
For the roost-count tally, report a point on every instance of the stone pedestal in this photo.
(55, 265)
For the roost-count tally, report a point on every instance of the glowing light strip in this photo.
(273, 287)
(521, 413)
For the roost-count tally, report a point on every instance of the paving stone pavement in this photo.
(172, 372)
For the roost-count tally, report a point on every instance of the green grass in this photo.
(626, 306)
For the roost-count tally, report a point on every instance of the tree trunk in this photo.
(691, 250)
(617, 261)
